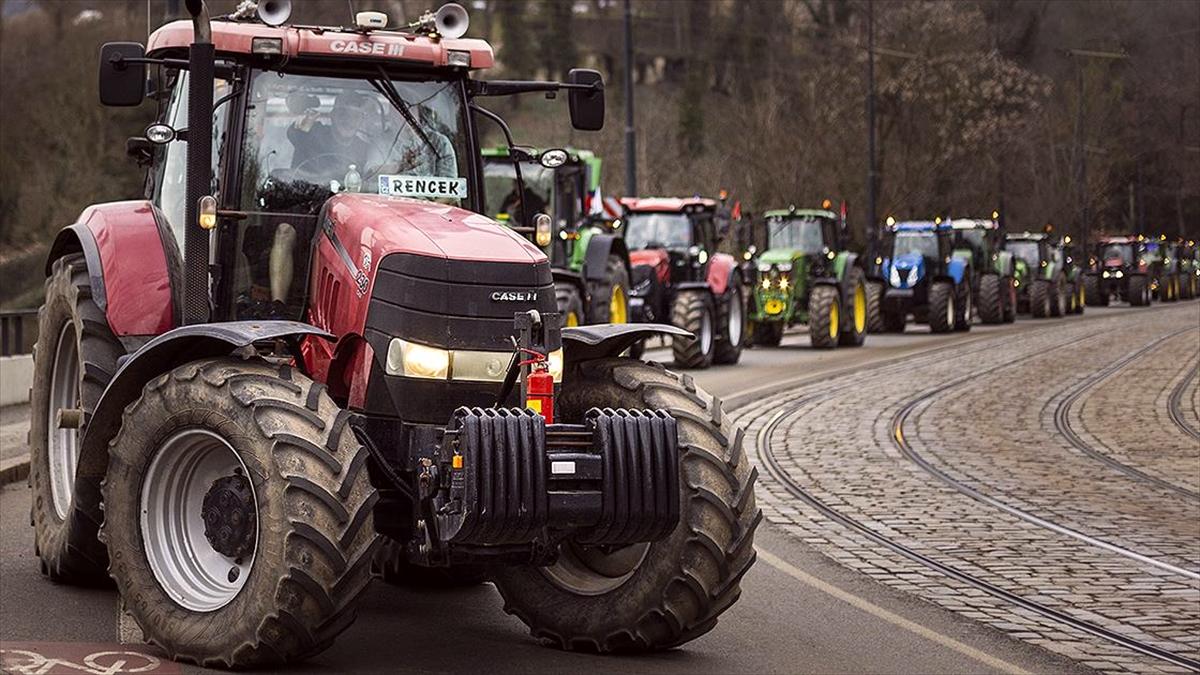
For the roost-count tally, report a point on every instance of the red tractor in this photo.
(678, 277)
(306, 355)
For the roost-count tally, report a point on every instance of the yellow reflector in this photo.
(456, 462)
(535, 405)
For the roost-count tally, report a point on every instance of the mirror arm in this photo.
(508, 137)
(510, 87)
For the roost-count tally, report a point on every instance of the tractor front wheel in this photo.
(1139, 290)
(962, 306)
(991, 302)
(854, 324)
(1092, 292)
(732, 317)
(1058, 298)
(610, 296)
(693, 312)
(653, 596)
(570, 304)
(875, 322)
(942, 312)
(1039, 299)
(74, 358)
(824, 316)
(238, 514)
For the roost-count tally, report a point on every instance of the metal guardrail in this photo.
(18, 331)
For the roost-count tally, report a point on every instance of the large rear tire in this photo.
(854, 320)
(1039, 299)
(824, 316)
(942, 312)
(693, 311)
(1092, 294)
(570, 304)
(1139, 290)
(238, 514)
(875, 323)
(610, 296)
(656, 596)
(991, 302)
(731, 319)
(74, 359)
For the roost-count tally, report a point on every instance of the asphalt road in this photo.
(800, 612)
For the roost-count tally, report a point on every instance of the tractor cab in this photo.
(925, 278)
(675, 236)
(978, 240)
(1031, 252)
(918, 248)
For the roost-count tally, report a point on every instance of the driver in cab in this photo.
(329, 149)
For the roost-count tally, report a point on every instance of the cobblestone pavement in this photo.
(1125, 554)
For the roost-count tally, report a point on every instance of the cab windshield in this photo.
(1118, 252)
(924, 244)
(658, 230)
(1025, 250)
(973, 238)
(803, 233)
(500, 186)
(308, 137)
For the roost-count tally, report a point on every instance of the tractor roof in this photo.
(919, 226)
(322, 44)
(800, 213)
(1118, 239)
(667, 204)
(974, 224)
(1027, 236)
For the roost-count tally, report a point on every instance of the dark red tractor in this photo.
(305, 355)
(679, 278)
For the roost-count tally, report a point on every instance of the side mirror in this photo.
(586, 105)
(122, 83)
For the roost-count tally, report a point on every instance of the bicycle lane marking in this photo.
(82, 658)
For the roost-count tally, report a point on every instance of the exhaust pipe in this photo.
(201, 64)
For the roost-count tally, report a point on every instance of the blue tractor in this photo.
(925, 278)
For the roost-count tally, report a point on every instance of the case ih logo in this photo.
(514, 296)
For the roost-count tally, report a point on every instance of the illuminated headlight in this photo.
(764, 267)
(541, 223)
(766, 283)
(831, 255)
(458, 58)
(414, 360)
(894, 277)
(913, 275)
(1118, 274)
(703, 257)
(1104, 274)
(556, 364)
(784, 267)
(783, 283)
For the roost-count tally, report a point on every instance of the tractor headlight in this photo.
(764, 267)
(894, 277)
(556, 364)
(913, 276)
(1118, 274)
(766, 283)
(783, 283)
(784, 267)
(1104, 274)
(415, 360)
(541, 224)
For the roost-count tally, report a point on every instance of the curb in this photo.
(14, 469)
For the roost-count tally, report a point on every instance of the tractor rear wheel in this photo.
(693, 311)
(392, 565)
(610, 296)
(238, 514)
(731, 319)
(1092, 294)
(1139, 290)
(648, 596)
(1058, 297)
(963, 306)
(991, 303)
(74, 358)
(875, 322)
(570, 304)
(854, 323)
(1039, 299)
(824, 316)
(942, 312)
(768, 333)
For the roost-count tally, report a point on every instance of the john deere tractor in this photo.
(1049, 281)
(925, 279)
(980, 243)
(807, 276)
(589, 263)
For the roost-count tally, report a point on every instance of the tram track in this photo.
(1174, 402)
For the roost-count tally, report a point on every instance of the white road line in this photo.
(888, 616)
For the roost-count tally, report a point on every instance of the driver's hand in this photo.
(310, 118)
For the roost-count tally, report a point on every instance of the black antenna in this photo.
(350, 4)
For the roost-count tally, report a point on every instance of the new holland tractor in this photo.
(806, 275)
(925, 278)
(1051, 284)
(590, 264)
(981, 244)
(1119, 270)
(309, 341)
(680, 279)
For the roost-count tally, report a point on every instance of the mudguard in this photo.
(599, 247)
(956, 270)
(598, 341)
(74, 238)
(721, 269)
(164, 353)
(1004, 264)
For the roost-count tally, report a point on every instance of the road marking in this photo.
(886, 615)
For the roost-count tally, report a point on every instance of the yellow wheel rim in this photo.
(618, 310)
(860, 309)
(572, 319)
(834, 319)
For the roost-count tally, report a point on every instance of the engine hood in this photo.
(383, 225)
(907, 270)
(781, 255)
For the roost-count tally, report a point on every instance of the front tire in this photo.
(649, 597)
(570, 304)
(1092, 294)
(610, 297)
(854, 323)
(991, 303)
(74, 359)
(942, 312)
(261, 457)
(732, 318)
(693, 311)
(875, 323)
(962, 306)
(1139, 290)
(824, 316)
(1039, 299)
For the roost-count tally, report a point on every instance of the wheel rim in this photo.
(735, 319)
(62, 445)
(184, 563)
(706, 336)
(618, 307)
(950, 310)
(572, 319)
(834, 319)
(592, 570)
(860, 309)
(967, 308)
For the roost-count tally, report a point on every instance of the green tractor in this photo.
(1162, 258)
(991, 269)
(1049, 282)
(1189, 269)
(589, 262)
(806, 275)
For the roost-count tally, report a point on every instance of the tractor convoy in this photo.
(339, 339)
